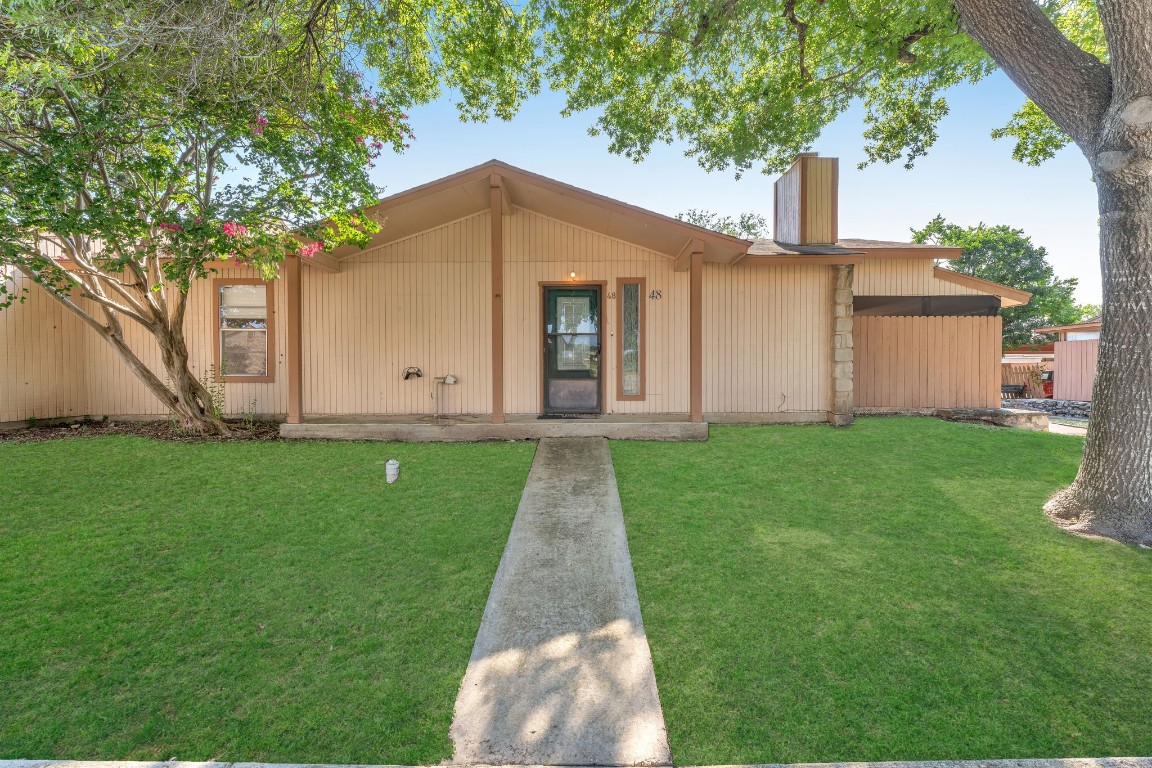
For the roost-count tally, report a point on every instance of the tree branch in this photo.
(1071, 86)
(170, 189)
(93, 289)
(705, 21)
(904, 54)
(801, 36)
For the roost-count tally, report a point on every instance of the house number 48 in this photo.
(656, 294)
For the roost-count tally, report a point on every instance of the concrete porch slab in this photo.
(477, 429)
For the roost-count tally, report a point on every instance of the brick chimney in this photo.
(806, 201)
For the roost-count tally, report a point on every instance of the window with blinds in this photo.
(244, 333)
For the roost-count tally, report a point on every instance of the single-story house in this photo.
(497, 295)
(1074, 366)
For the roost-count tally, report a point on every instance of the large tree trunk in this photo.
(1112, 495)
(1106, 108)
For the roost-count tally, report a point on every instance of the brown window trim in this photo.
(216, 362)
(643, 351)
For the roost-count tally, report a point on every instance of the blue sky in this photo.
(967, 177)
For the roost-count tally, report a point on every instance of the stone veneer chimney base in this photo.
(840, 414)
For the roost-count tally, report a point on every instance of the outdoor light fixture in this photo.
(572, 275)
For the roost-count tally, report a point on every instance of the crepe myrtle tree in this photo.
(751, 84)
(144, 141)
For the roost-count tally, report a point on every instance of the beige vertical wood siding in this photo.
(425, 301)
(767, 339)
(820, 210)
(539, 249)
(1075, 369)
(927, 362)
(904, 277)
(67, 369)
(42, 367)
(422, 301)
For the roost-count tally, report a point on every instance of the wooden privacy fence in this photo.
(927, 362)
(1015, 373)
(1075, 369)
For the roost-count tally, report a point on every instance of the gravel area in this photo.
(1075, 409)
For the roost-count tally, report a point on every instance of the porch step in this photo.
(476, 432)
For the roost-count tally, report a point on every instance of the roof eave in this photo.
(1009, 296)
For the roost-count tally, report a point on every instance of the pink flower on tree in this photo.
(232, 229)
(170, 227)
(258, 127)
(308, 250)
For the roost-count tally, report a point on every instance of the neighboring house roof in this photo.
(1091, 324)
(1047, 348)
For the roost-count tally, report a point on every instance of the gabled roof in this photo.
(468, 192)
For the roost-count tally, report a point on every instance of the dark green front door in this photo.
(572, 350)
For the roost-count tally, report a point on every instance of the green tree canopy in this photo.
(1008, 256)
(748, 225)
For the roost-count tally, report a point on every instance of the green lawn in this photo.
(243, 601)
(890, 591)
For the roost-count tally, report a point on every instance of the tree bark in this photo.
(191, 401)
(1112, 494)
(1107, 110)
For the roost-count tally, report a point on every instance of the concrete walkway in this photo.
(561, 673)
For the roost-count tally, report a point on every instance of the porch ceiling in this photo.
(468, 192)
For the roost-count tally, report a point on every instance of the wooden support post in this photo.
(293, 284)
(496, 221)
(696, 338)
